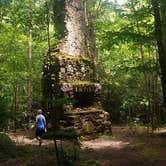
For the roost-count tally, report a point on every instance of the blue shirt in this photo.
(40, 122)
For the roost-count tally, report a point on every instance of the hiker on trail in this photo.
(40, 126)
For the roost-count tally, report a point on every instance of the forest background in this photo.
(128, 60)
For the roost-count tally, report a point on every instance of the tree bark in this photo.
(48, 23)
(160, 37)
(90, 35)
(29, 86)
(163, 21)
(74, 22)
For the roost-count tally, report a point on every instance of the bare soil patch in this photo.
(127, 147)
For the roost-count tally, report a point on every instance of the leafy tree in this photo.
(127, 56)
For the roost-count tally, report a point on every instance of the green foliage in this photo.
(150, 153)
(67, 159)
(7, 147)
(59, 18)
(126, 48)
(63, 101)
(62, 134)
(127, 60)
(5, 115)
(13, 154)
(16, 17)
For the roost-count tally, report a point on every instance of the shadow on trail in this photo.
(25, 155)
(18, 149)
(127, 149)
(124, 148)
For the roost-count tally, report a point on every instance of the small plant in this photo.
(63, 158)
(5, 115)
(7, 147)
(62, 134)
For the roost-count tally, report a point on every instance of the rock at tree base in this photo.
(72, 78)
(89, 120)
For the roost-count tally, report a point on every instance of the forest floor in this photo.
(127, 147)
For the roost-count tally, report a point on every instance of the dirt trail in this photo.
(25, 138)
(125, 148)
(129, 148)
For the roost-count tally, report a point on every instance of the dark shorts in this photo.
(39, 132)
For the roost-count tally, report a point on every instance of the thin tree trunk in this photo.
(14, 103)
(1, 15)
(90, 35)
(147, 84)
(57, 153)
(90, 38)
(29, 104)
(30, 70)
(48, 24)
(15, 83)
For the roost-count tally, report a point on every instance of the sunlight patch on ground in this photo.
(21, 138)
(98, 144)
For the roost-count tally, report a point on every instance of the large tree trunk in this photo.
(74, 27)
(69, 71)
(74, 43)
(160, 21)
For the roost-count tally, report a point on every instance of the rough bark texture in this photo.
(74, 41)
(68, 73)
(160, 37)
(163, 19)
(90, 35)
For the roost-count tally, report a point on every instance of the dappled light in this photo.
(102, 143)
(82, 82)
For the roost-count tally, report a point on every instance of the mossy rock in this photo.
(88, 127)
(69, 57)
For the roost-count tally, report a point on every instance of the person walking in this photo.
(40, 126)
